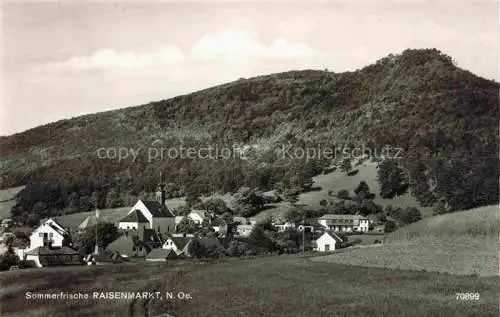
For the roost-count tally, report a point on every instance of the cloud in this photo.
(111, 59)
(228, 46)
(238, 45)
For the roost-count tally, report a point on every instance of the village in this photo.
(152, 232)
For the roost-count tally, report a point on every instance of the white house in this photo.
(344, 223)
(197, 216)
(49, 233)
(244, 230)
(283, 226)
(327, 242)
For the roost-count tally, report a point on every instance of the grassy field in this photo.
(464, 242)
(336, 181)
(270, 286)
(7, 200)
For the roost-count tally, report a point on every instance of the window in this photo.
(51, 234)
(40, 235)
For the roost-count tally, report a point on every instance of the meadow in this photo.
(7, 200)
(265, 286)
(337, 180)
(464, 243)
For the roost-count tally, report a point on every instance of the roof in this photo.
(335, 217)
(91, 221)
(157, 209)
(162, 254)
(342, 219)
(199, 212)
(180, 242)
(52, 251)
(135, 216)
(241, 220)
(332, 235)
(178, 219)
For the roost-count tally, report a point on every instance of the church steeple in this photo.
(161, 193)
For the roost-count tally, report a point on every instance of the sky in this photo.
(60, 60)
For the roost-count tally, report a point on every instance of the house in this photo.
(344, 223)
(162, 255)
(6, 223)
(178, 244)
(327, 242)
(49, 256)
(283, 226)
(244, 230)
(150, 214)
(240, 220)
(197, 216)
(49, 233)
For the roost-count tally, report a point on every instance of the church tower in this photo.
(161, 193)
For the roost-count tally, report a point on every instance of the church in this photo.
(150, 214)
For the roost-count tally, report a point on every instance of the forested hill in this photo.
(443, 117)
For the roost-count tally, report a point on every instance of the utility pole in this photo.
(304, 235)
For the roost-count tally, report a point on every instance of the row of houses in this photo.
(156, 226)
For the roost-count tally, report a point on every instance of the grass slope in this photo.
(7, 200)
(274, 286)
(336, 181)
(464, 243)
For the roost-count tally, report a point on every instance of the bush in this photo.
(343, 194)
(353, 172)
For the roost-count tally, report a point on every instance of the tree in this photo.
(236, 248)
(390, 226)
(294, 215)
(196, 249)
(392, 180)
(187, 225)
(411, 215)
(113, 199)
(216, 206)
(106, 233)
(345, 165)
(343, 194)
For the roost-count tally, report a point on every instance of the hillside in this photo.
(464, 243)
(444, 119)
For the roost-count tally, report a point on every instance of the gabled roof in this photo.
(91, 221)
(135, 216)
(157, 209)
(180, 242)
(332, 235)
(162, 254)
(178, 219)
